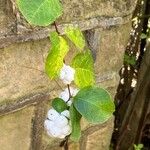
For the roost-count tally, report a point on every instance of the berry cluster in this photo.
(58, 124)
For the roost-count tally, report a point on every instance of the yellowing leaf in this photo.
(76, 36)
(58, 51)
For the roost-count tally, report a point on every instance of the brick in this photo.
(15, 130)
(98, 137)
(22, 70)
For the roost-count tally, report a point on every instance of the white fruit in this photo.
(55, 131)
(65, 94)
(72, 91)
(69, 102)
(58, 124)
(66, 130)
(67, 74)
(52, 114)
(75, 91)
(48, 124)
(61, 121)
(66, 113)
(59, 127)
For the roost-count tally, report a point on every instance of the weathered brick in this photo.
(15, 130)
(22, 70)
(98, 137)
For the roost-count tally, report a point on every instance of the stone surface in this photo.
(74, 146)
(21, 68)
(98, 137)
(7, 18)
(109, 57)
(112, 45)
(15, 130)
(84, 9)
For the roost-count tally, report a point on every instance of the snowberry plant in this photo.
(86, 99)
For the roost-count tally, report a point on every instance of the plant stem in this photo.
(68, 86)
(56, 28)
(64, 143)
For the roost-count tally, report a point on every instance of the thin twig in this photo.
(56, 28)
(68, 86)
(64, 143)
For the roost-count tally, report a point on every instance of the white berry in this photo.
(58, 125)
(75, 91)
(48, 124)
(61, 121)
(67, 74)
(66, 113)
(52, 114)
(55, 131)
(66, 130)
(65, 95)
(69, 102)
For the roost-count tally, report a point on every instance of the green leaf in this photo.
(84, 67)
(130, 59)
(140, 146)
(76, 36)
(54, 61)
(143, 36)
(75, 118)
(94, 104)
(59, 105)
(135, 147)
(40, 12)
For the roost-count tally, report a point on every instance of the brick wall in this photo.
(25, 90)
